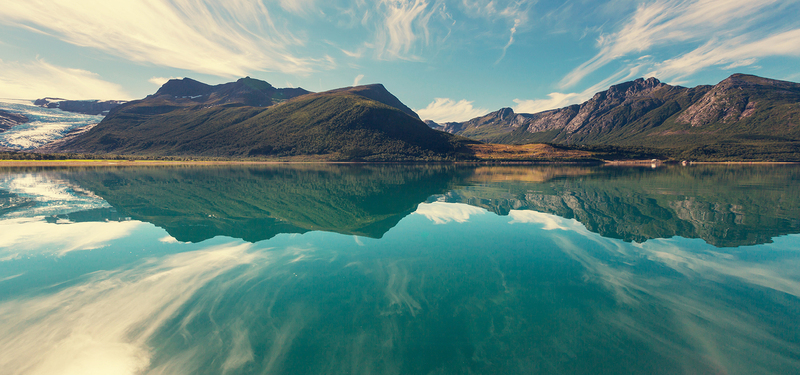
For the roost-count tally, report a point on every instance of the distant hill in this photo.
(245, 91)
(250, 118)
(87, 107)
(742, 117)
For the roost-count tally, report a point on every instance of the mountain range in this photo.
(251, 118)
(744, 116)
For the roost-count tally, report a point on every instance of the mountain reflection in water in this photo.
(402, 269)
(725, 206)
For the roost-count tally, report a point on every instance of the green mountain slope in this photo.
(742, 117)
(365, 123)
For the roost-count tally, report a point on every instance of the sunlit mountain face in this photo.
(45, 124)
(400, 269)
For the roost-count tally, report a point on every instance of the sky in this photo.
(449, 60)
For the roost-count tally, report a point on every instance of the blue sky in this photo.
(448, 60)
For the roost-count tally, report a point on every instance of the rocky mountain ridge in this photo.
(743, 109)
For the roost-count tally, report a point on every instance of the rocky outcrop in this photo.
(9, 120)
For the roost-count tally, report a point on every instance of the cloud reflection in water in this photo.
(559, 299)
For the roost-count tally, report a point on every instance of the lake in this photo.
(400, 269)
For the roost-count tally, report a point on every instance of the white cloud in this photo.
(549, 222)
(38, 79)
(168, 239)
(442, 213)
(556, 100)
(159, 81)
(227, 38)
(670, 21)
(39, 237)
(357, 80)
(444, 110)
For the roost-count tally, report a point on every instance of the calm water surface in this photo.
(320, 269)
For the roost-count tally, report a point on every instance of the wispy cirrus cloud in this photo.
(404, 28)
(301, 7)
(403, 23)
(103, 323)
(227, 38)
(444, 109)
(514, 12)
(667, 22)
(517, 22)
(358, 79)
(39, 78)
(732, 53)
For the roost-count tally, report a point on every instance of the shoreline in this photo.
(129, 163)
(126, 163)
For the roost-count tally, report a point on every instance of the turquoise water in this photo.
(318, 269)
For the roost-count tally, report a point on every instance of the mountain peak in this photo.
(743, 80)
(183, 87)
(379, 93)
(255, 84)
(505, 113)
(636, 86)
